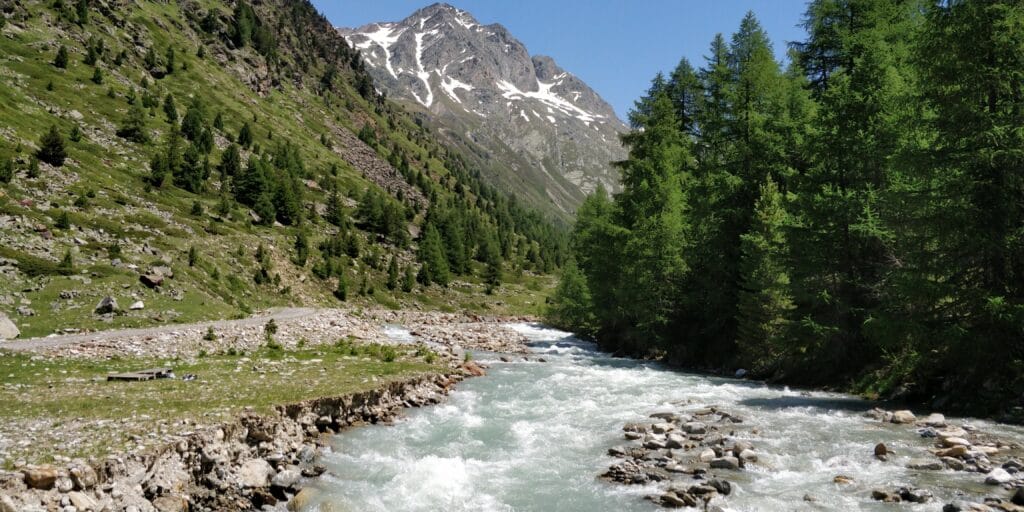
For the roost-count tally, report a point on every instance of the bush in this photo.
(51, 147)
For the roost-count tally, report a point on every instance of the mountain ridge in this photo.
(535, 127)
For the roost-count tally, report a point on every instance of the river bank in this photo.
(70, 439)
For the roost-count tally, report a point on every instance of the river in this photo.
(534, 436)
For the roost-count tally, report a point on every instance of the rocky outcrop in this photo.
(8, 331)
(366, 160)
(254, 461)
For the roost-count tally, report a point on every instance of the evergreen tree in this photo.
(301, 249)
(392, 283)
(193, 256)
(341, 291)
(61, 60)
(97, 76)
(194, 121)
(245, 24)
(7, 170)
(570, 306)
(335, 212)
(245, 136)
(134, 126)
(82, 10)
(170, 109)
(76, 134)
(765, 299)
(230, 161)
(169, 59)
(33, 167)
(409, 280)
(51, 148)
(432, 256)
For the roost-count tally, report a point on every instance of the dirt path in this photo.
(74, 339)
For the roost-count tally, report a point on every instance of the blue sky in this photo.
(616, 46)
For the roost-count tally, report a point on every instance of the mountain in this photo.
(209, 159)
(531, 126)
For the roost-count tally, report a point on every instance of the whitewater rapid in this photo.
(534, 436)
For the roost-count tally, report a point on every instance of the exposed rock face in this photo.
(531, 125)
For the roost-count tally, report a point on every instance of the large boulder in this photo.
(725, 463)
(998, 476)
(106, 306)
(40, 477)
(903, 417)
(8, 331)
(255, 473)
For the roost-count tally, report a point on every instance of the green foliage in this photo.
(392, 282)
(245, 136)
(61, 60)
(170, 109)
(76, 134)
(51, 147)
(97, 76)
(301, 249)
(341, 290)
(63, 220)
(431, 254)
(193, 256)
(7, 170)
(134, 126)
(570, 306)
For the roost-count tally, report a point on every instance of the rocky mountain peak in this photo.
(531, 122)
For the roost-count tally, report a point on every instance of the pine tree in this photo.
(61, 60)
(432, 256)
(82, 10)
(245, 24)
(33, 167)
(169, 59)
(194, 121)
(134, 127)
(7, 170)
(301, 249)
(392, 283)
(170, 109)
(97, 76)
(765, 298)
(341, 291)
(570, 306)
(245, 136)
(63, 220)
(51, 148)
(76, 134)
(409, 280)
(335, 212)
(230, 161)
(193, 256)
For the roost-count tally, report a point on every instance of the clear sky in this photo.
(616, 46)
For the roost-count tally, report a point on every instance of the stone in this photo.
(473, 369)
(965, 506)
(151, 280)
(40, 477)
(949, 442)
(674, 441)
(672, 500)
(286, 479)
(915, 495)
(64, 484)
(725, 463)
(1018, 497)
(903, 417)
(170, 504)
(84, 477)
(722, 486)
(926, 465)
(998, 476)
(740, 373)
(106, 305)
(654, 443)
(255, 473)
(695, 427)
(935, 420)
(881, 451)
(748, 455)
(842, 479)
(707, 455)
(137, 305)
(7, 504)
(956, 451)
(886, 496)
(661, 428)
(82, 501)
(25, 311)
(954, 464)
(303, 499)
(8, 331)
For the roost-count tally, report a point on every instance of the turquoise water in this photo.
(533, 436)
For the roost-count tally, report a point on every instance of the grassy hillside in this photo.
(73, 234)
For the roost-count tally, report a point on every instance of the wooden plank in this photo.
(130, 376)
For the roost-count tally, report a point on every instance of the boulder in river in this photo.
(935, 420)
(926, 465)
(998, 476)
(903, 417)
(725, 463)
(707, 455)
(1018, 497)
(881, 451)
